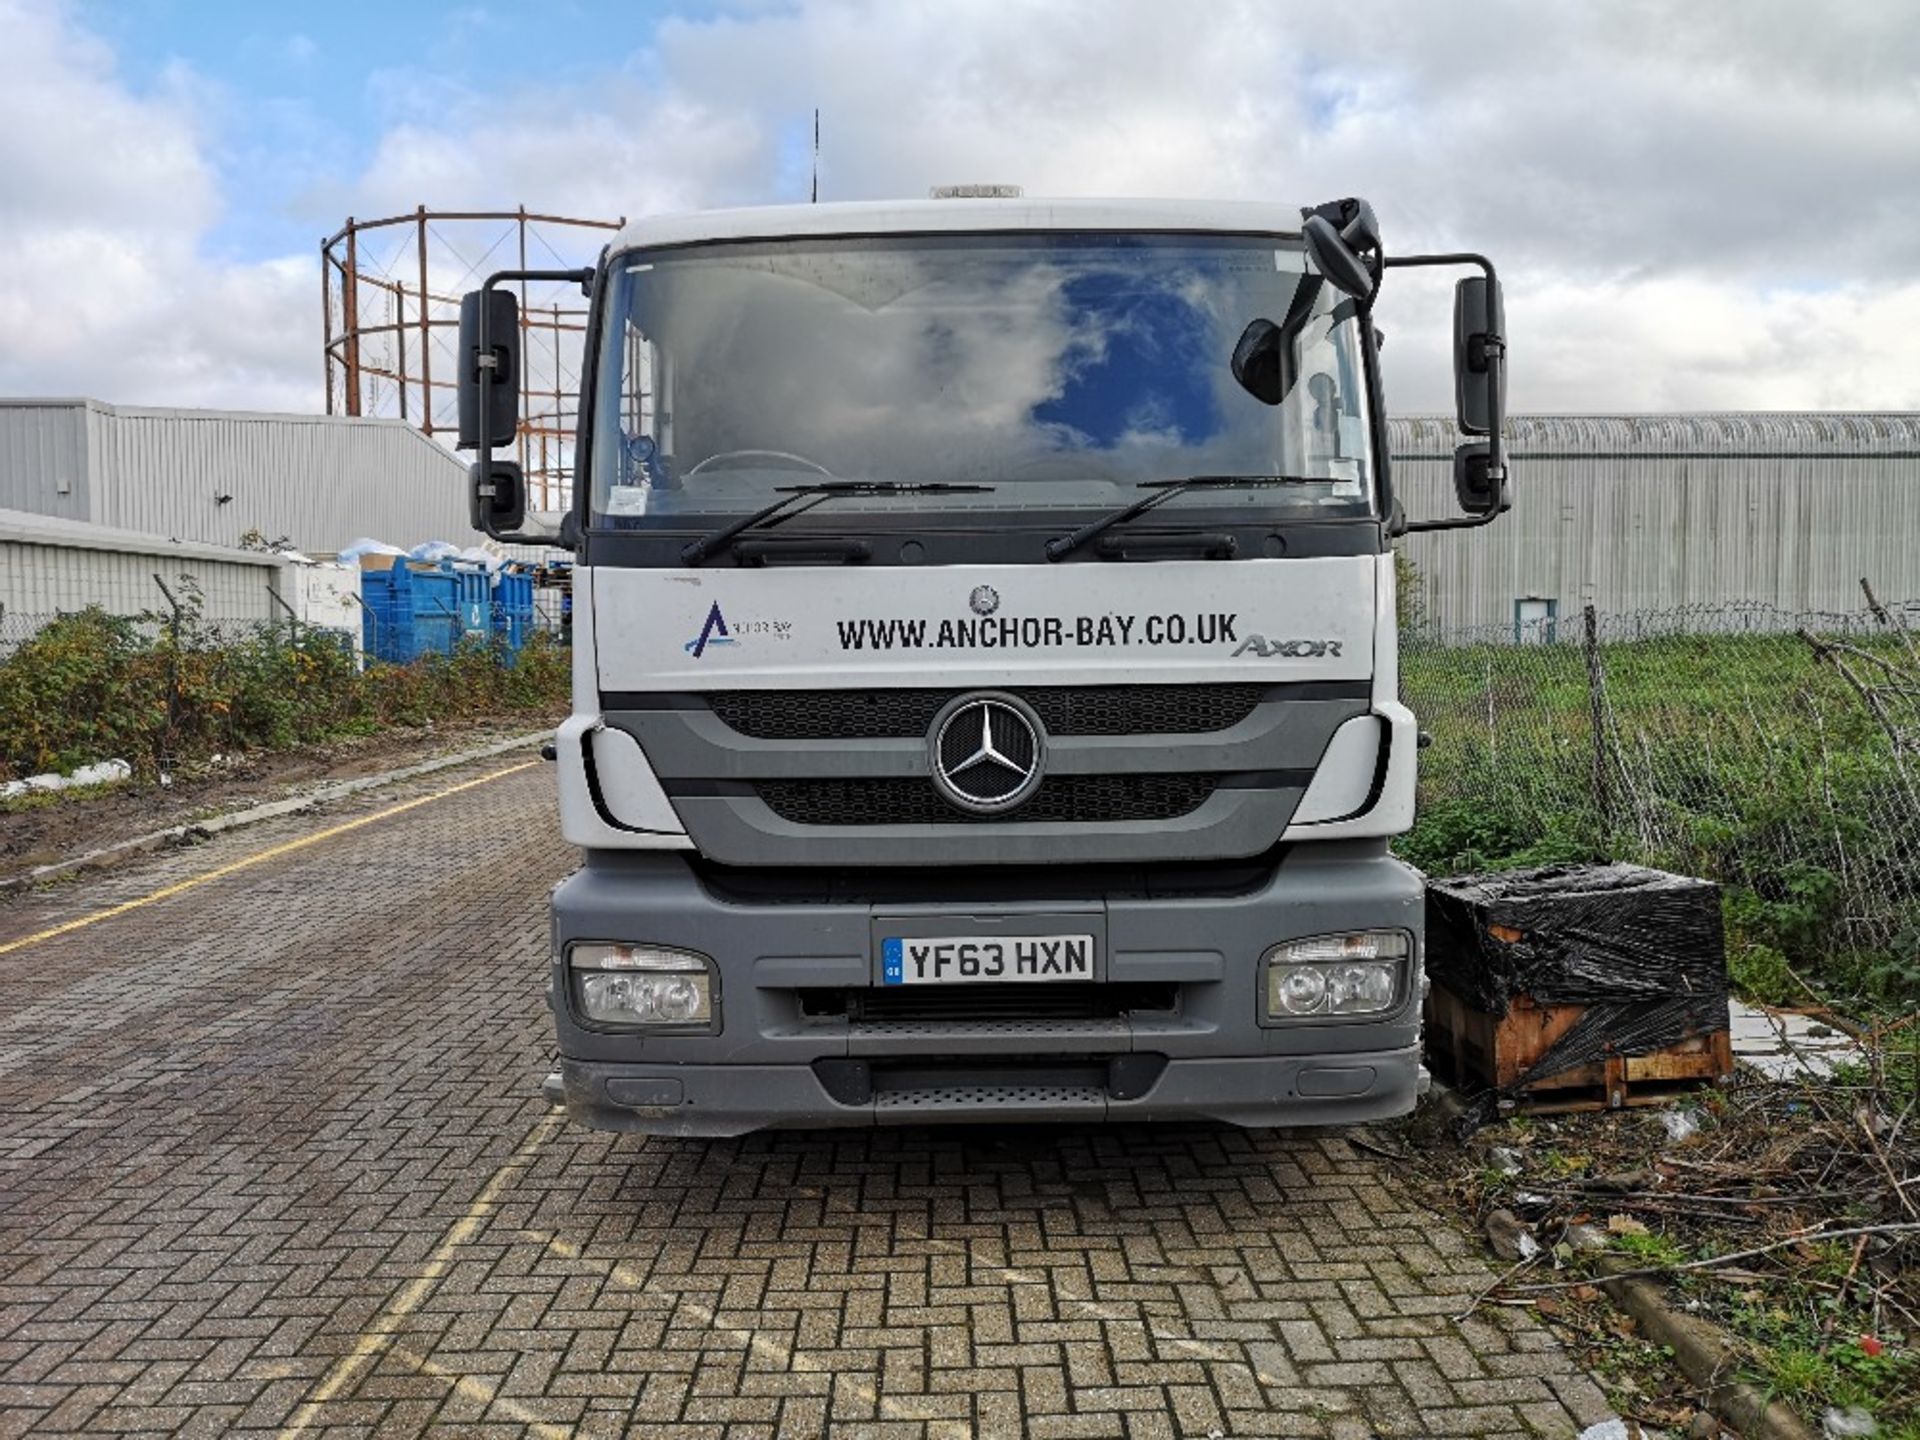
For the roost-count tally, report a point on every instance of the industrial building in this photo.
(1779, 512)
(1656, 513)
(50, 565)
(214, 477)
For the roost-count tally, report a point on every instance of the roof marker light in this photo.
(975, 192)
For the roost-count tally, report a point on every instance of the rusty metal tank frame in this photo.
(390, 326)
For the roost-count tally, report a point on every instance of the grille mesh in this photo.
(993, 1097)
(1079, 799)
(1063, 709)
(1046, 1006)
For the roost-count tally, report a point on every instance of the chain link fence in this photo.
(17, 627)
(1776, 753)
(211, 631)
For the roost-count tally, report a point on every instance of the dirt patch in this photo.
(43, 829)
(1782, 1212)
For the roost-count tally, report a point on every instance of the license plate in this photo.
(962, 959)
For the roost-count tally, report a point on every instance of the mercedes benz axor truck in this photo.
(985, 690)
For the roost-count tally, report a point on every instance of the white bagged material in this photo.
(367, 545)
(104, 772)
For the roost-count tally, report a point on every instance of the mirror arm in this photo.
(1496, 353)
(1452, 522)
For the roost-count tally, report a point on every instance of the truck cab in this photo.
(986, 704)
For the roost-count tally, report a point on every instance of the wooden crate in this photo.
(1472, 1051)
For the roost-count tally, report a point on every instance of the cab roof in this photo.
(908, 217)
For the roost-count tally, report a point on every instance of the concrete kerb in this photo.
(109, 855)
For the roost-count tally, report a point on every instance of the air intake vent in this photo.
(1076, 799)
(1063, 709)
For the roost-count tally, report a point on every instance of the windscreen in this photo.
(1062, 369)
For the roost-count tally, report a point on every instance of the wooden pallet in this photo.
(1474, 1051)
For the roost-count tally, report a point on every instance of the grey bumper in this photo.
(719, 1100)
(776, 1061)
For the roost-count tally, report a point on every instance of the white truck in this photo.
(985, 691)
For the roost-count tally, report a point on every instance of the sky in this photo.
(1692, 206)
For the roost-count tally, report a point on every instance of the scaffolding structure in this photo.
(390, 296)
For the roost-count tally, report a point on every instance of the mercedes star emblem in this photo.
(986, 752)
(984, 600)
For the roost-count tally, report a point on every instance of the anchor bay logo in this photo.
(714, 632)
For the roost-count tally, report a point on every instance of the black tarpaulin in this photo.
(1577, 934)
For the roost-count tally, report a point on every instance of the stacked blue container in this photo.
(415, 609)
(513, 607)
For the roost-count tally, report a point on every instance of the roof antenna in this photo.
(816, 155)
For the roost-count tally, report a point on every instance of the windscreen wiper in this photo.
(1062, 546)
(785, 507)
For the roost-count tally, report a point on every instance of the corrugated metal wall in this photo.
(319, 481)
(43, 457)
(1639, 513)
(38, 581)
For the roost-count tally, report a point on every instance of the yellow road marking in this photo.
(273, 852)
(483, 1392)
(382, 1330)
(1097, 1310)
(765, 1346)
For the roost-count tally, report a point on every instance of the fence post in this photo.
(165, 757)
(293, 617)
(1597, 719)
(368, 613)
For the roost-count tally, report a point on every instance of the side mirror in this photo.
(1337, 235)
(1479, 323)
(1472, 487)
(501, 360)
(1263, 362)
(497, 498)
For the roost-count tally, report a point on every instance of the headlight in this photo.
(641, 985)
(1357, 974)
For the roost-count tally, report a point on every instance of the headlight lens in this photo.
(1354, 974)
(641, 985)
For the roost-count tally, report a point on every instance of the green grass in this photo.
(1652, 1248)
(1808, 1352)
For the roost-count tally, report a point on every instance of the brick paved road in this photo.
(272, 1158)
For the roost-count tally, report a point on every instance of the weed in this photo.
(1653, 1248)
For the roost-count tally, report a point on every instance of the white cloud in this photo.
(104, 289)
(1693, 206)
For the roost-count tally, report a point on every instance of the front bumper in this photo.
(717, 1100)
(1198, 1049)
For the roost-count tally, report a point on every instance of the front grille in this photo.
(1063, 709)
(1075, 799)
(1062, 1000)
(913, 1092)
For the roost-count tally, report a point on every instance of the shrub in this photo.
(91, 686)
